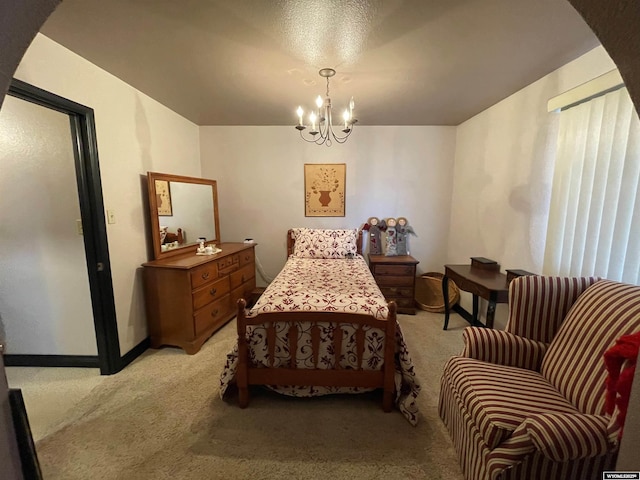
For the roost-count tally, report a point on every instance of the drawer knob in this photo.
(243, 280)
(214, 313)
(213, 291)
(205, 275)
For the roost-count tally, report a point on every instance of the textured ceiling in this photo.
(252, 62)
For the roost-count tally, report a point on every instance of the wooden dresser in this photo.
(189, 297)
(396, 277)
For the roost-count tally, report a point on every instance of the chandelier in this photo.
(320, 120)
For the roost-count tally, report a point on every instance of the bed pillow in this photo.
(321, 243)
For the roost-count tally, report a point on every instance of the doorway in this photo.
(67, 273)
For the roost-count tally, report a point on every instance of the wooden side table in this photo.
(483, 279)
(396, 277)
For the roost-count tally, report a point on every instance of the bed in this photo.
(324, 301)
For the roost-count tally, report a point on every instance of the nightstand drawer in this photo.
(404, 303)
(394, 270)
(397, 292)
(391, 281)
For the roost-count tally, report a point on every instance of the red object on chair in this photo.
(619, 381)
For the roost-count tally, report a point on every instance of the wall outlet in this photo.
(111, 216)
(79, 227)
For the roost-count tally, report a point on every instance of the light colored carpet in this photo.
(162, 417)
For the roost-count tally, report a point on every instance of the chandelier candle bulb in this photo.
(312, 119)
(300, 112)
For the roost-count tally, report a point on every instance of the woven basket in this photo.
(429, 292)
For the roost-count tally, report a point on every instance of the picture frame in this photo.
(324, 189)
(163, 198)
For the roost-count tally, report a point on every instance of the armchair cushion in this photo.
(499, 398)
(502, 348)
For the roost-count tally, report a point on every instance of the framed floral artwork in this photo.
(324, 189)
(163, 195)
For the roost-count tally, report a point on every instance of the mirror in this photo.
(182, 209)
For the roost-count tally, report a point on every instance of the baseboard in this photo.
(134, 353)
(88, 361)
(83, 361)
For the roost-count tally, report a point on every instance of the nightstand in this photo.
(396, 277)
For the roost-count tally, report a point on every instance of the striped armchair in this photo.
(529, 402)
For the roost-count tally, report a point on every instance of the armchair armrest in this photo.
(561, 437)
(502, 348)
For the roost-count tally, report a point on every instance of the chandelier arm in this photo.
(341, 139)
(313, 140)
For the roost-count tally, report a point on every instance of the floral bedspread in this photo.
(327, 285)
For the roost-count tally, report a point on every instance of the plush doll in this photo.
(375, 227)
(392, 238)
(403, 230)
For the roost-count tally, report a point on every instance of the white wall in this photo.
(503, 173)
(496, 195)
(135, 134)
(391, 172)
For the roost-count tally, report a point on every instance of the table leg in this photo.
(491, 309)
(475, 309)
(445, 296)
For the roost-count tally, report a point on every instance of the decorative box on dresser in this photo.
(189, 297)
(396, 277)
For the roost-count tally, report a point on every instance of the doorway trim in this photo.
(85, 148)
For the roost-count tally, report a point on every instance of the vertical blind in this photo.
(594, 217)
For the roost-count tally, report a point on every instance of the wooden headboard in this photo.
(292, 241)
(174, 237)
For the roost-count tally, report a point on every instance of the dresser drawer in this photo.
(397, 292)
(394, 270)
(228, 265)
(243, 291)
(203, 274)
(243, 275)
(246, 257)
(392, 281)
(210, 293)
(211, 315)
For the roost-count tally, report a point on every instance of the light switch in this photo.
(111, 217)
(79, 227)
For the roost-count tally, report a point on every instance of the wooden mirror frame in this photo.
(155, 220)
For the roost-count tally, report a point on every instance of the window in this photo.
(594, 218)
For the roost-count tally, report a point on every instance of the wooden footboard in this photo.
(327, 377)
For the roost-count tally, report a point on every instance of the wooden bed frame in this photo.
(335, 377)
